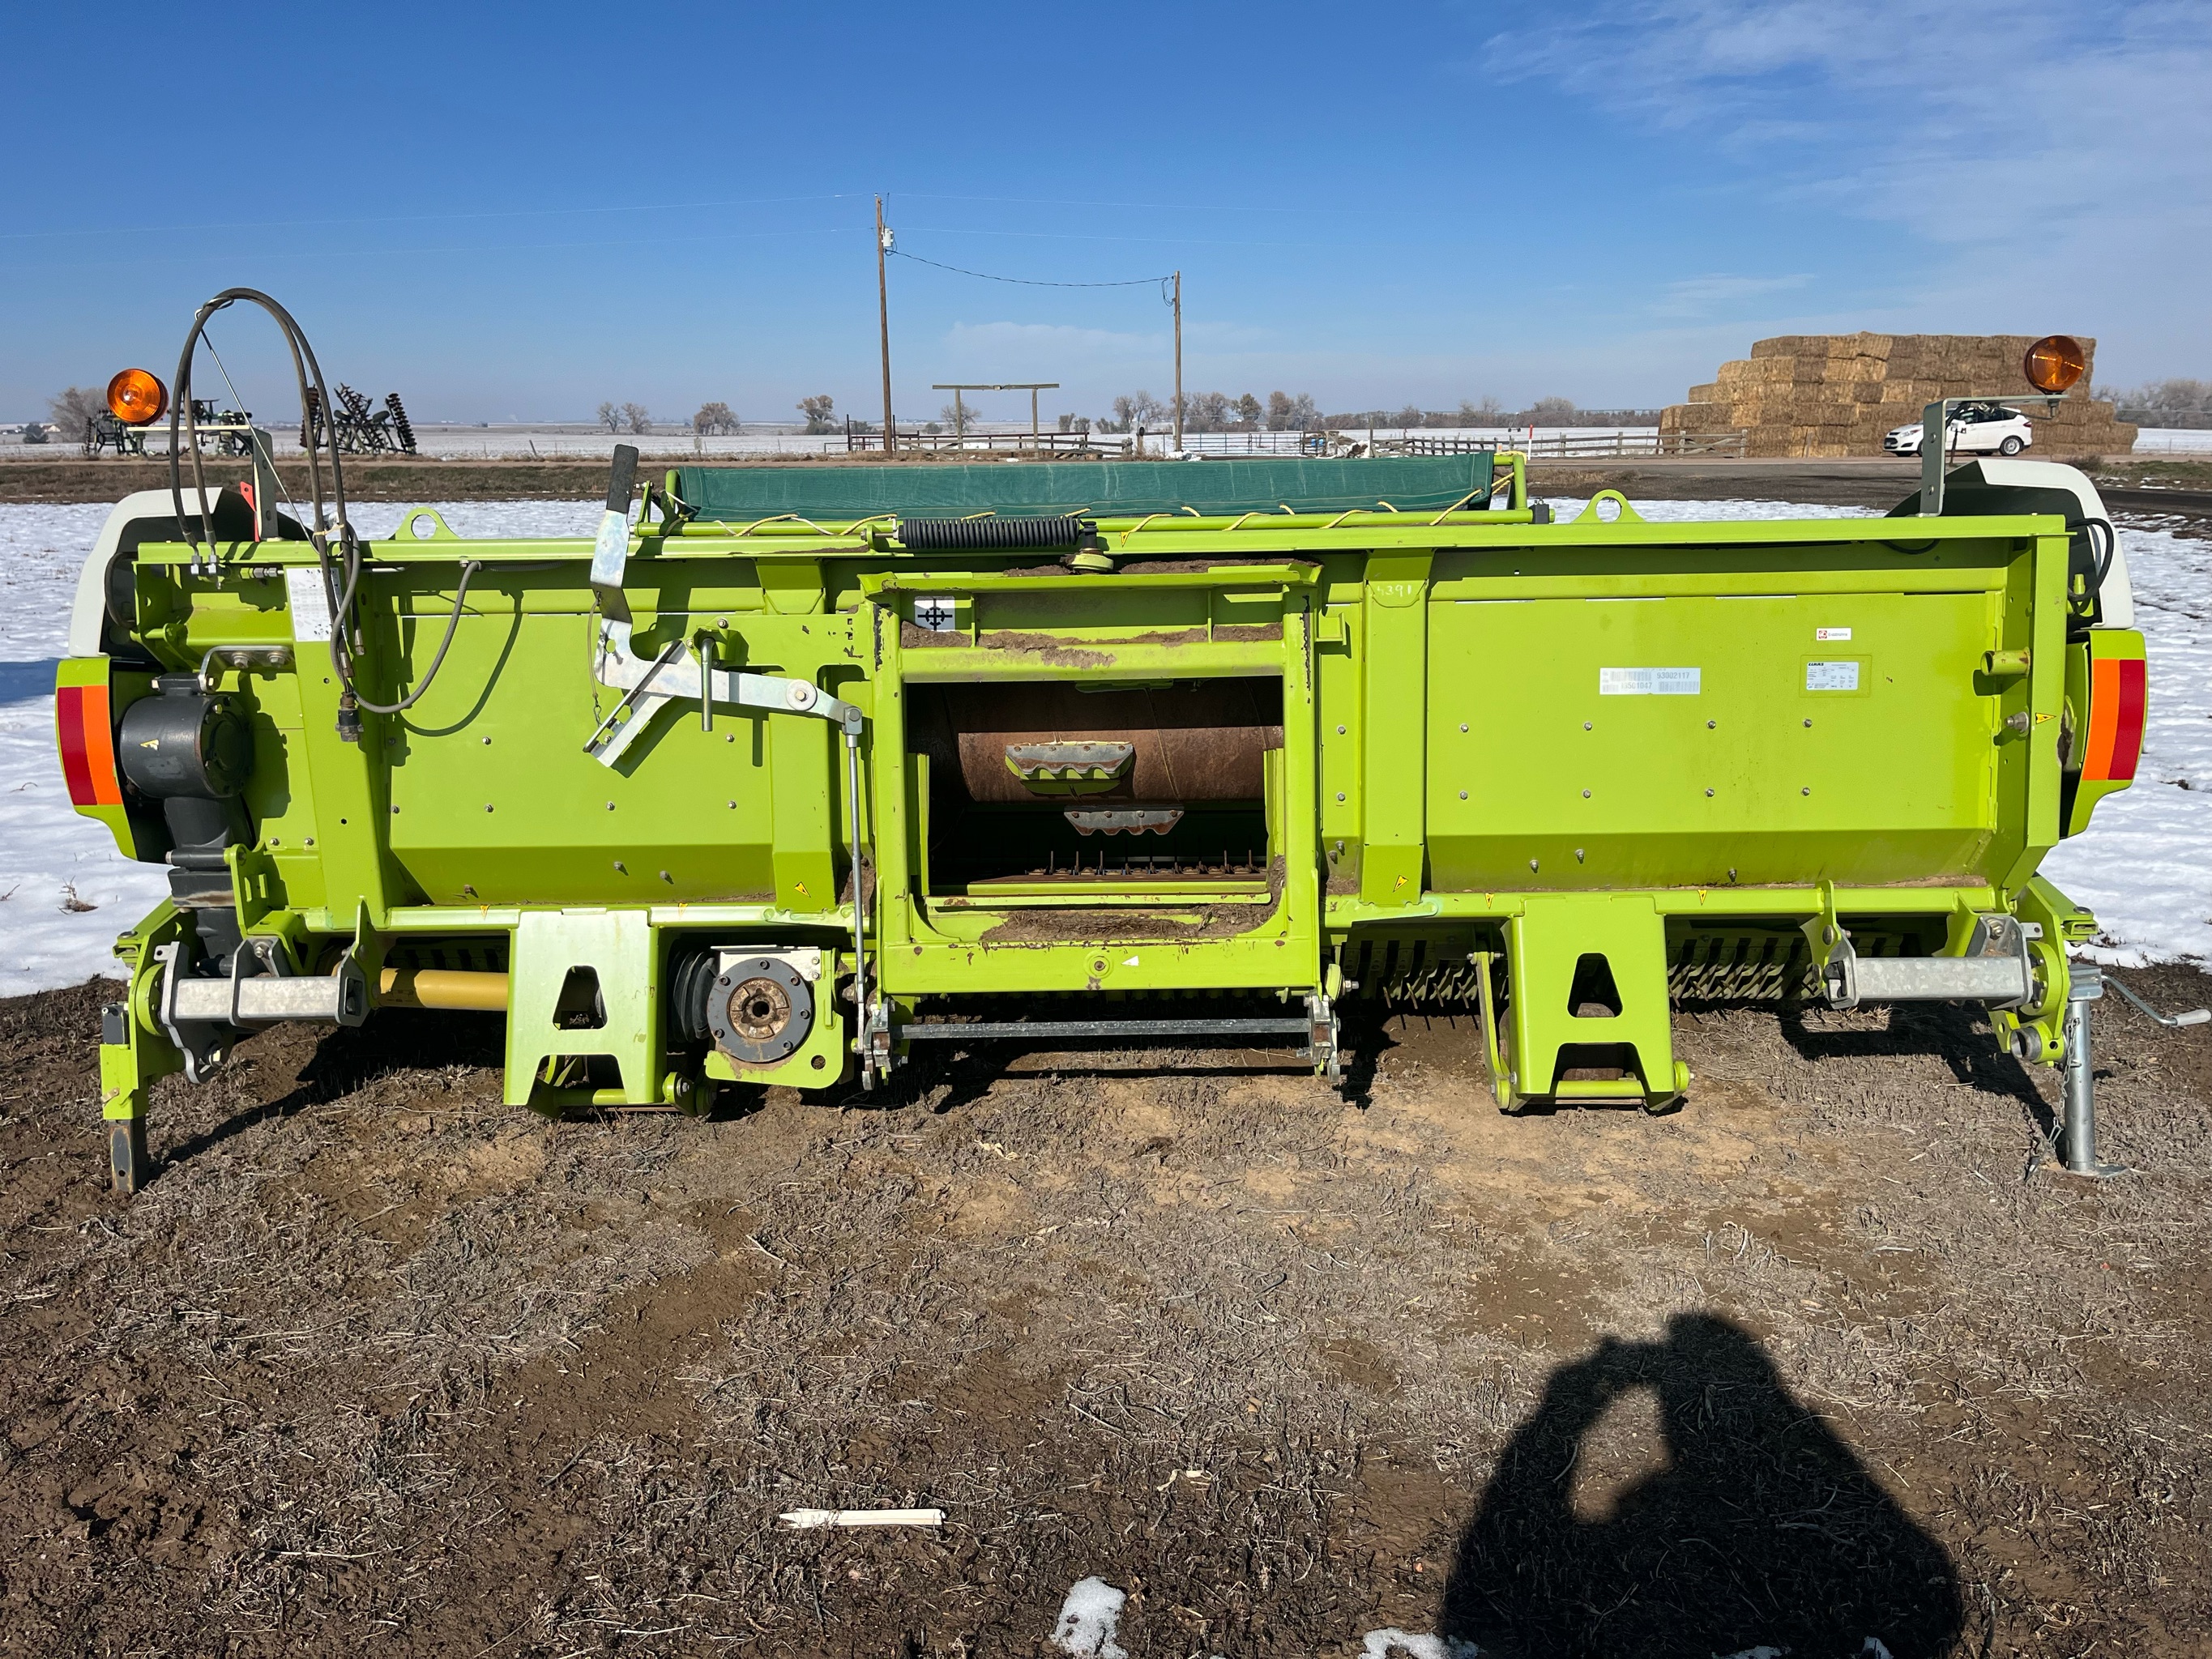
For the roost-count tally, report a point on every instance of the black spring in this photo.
(949, 534)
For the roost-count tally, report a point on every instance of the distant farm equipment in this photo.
(219, 432)
(355, 428)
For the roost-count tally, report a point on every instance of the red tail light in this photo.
(2116, 706)
(86, 741)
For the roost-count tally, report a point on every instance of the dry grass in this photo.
(379, 1363)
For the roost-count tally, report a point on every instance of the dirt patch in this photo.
(379, 1364)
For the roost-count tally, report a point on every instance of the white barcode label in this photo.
(1822, 635)
(311, 605)
(1649, 681)
(1831, 677)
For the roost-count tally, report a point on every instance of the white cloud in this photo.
(2051, 159)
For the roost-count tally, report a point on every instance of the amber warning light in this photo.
(134, 398)
(2054, 362)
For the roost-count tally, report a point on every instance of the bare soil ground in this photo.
(377, 1364)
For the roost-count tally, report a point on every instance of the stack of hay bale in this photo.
(1837, 394)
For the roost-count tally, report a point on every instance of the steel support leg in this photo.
(2087, 986)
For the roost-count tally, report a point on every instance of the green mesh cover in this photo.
(1103, 489)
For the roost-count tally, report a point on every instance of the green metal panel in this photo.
(1534, 743)
(1105, 488)
(618, 948)
(1548, 942)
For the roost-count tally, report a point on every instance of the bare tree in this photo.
(2168, 403)
(1551, 411)
(1288, 414)
(1488, 412)
(818, 412)
(636, 418)
(713, 420)
(1249, 412)
(73, 410)
(1134, 410)
(1207, 411)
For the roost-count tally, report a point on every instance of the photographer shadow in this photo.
(1757, 1529)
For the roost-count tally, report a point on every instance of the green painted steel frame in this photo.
(1359, 787)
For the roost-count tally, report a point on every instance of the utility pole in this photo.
(1178, 333)
(884, 323)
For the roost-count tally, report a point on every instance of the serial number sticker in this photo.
(1831, 677)
(1649, 681)
(311, 605)
(934, 612)
(1826, 634)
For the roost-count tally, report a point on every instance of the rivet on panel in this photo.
(621, 869)
(1578, 855)
(1809, 722)
(487, 742)
(1731, 873)
(1712, 726)
(1462, 726)
(1586, 726)
(1709, 794)
(1586, 794)
(1340, 731)
(1807, 790)
(1532, 864)
(1462, 794)
(1339, 794)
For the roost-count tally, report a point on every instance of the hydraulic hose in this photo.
(342, 572)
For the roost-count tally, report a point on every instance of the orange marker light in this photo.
(2054, 362)
(134, 398)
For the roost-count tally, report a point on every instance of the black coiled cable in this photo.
(1068, 531)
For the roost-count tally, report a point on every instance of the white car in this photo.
(1979, 428)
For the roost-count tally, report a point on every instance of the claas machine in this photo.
(792, 771)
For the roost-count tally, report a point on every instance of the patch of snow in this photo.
(1388, 1644)
(1875, 1649)
(1762, 1652)
(1088, 1619)
(2144, 864)
(50, 857)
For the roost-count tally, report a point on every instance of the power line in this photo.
(1025, 281)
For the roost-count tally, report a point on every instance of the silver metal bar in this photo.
(614, 733)
(263, 998)
(2085, 985)
(1933, 979)
(2192, 1017)
(1020, 1030)
(861, 1009)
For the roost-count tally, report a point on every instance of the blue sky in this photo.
(512, 212)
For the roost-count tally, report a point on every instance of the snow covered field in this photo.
(2145, 867)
